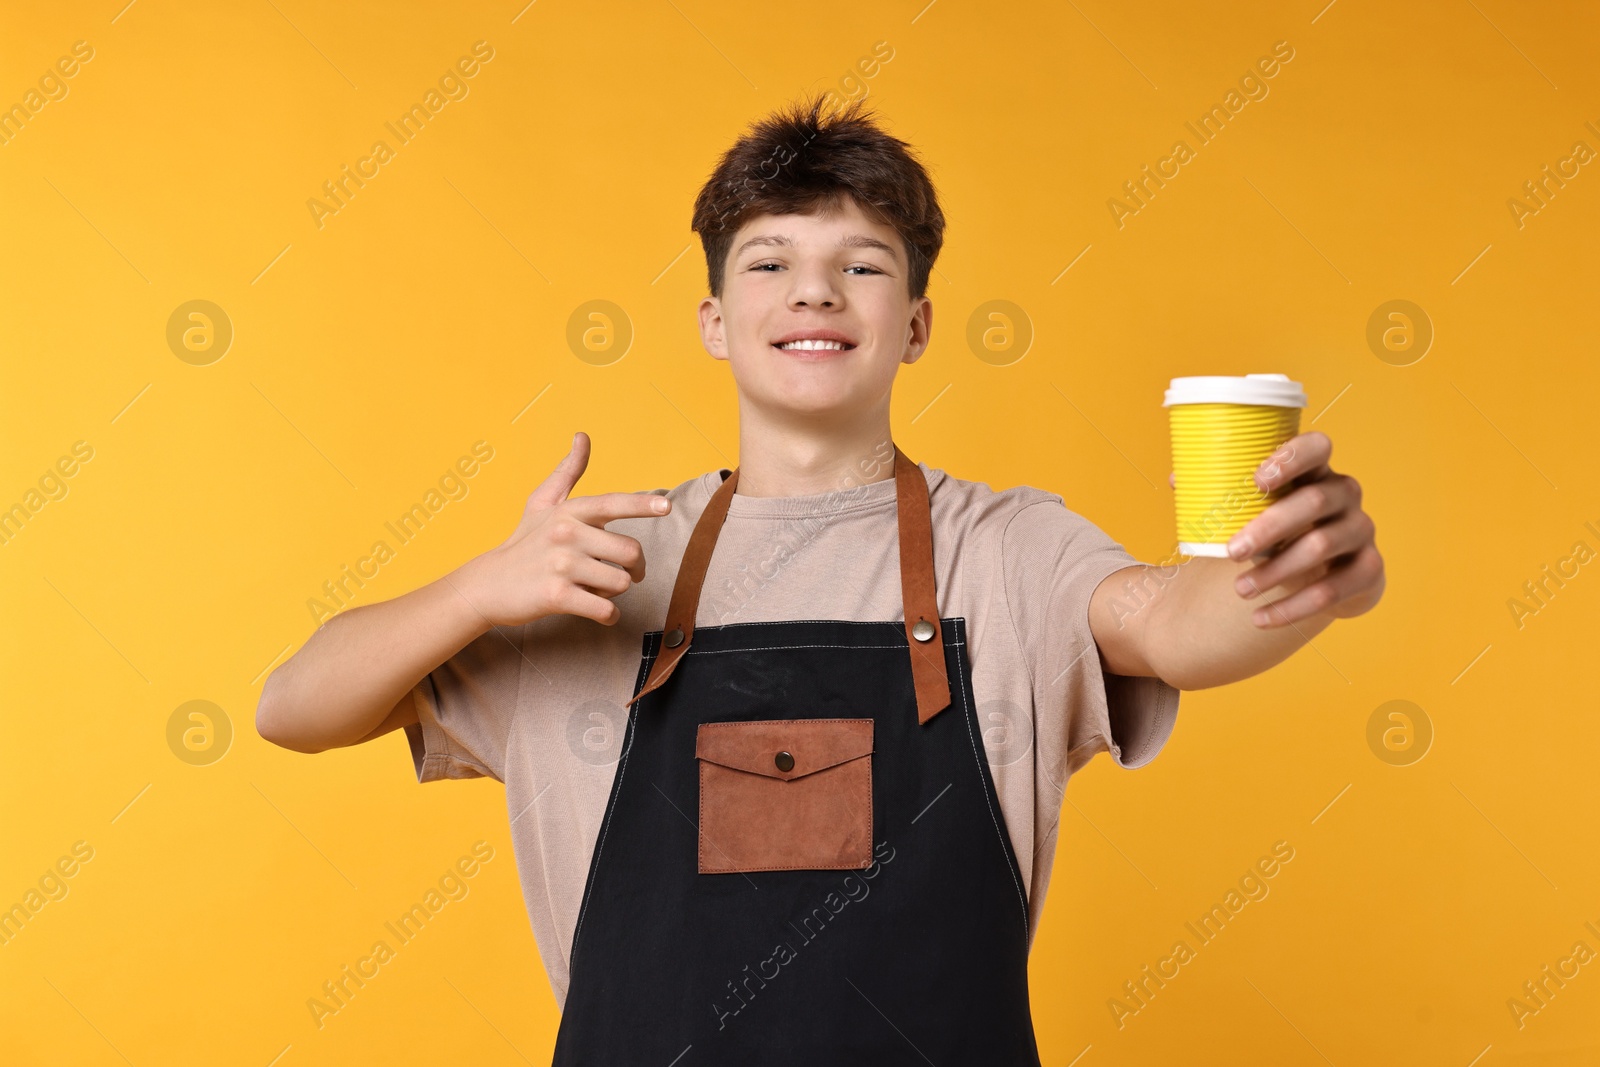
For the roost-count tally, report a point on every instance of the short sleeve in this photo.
(1052, 559)
(465, 708)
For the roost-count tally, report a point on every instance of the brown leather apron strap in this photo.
(679, 627)
(923, 632)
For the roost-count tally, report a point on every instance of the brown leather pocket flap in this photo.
(754, 745)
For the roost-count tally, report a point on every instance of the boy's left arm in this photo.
(1307, 559)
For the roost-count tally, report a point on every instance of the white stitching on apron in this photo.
(776, 648)
(999, 831)
(644, 672)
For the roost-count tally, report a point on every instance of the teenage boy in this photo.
(791, 795)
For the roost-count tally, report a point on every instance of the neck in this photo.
(789, 457)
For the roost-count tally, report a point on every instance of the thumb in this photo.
(554, 489)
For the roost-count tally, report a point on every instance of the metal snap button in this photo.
(674, 637)
(784, 761)
(923, 630)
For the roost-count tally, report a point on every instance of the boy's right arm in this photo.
(352, 680)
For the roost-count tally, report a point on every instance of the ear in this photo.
(919, 330)
(712, 333)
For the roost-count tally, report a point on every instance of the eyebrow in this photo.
(854, 240)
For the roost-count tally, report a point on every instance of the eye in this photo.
(767, 263)
(862, 266)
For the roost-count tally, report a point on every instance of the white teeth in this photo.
(813, 346)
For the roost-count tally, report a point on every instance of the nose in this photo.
(814, 286)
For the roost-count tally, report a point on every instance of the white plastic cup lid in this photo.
(1273, 390)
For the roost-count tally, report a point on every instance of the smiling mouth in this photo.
(814, 346)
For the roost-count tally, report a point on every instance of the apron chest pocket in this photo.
(785, 794)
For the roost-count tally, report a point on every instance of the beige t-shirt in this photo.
(540, 707)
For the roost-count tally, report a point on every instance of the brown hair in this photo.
(800, 160)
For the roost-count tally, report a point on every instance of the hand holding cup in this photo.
(1322, 544)
(1250, 485)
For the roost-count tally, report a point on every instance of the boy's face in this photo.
(842, 275)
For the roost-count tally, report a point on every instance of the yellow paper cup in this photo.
(1223, 429)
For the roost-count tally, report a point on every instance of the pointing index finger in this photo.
(606, 507)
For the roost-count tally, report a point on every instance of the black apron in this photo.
(802, 861)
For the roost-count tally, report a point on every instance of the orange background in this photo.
(432, 311)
